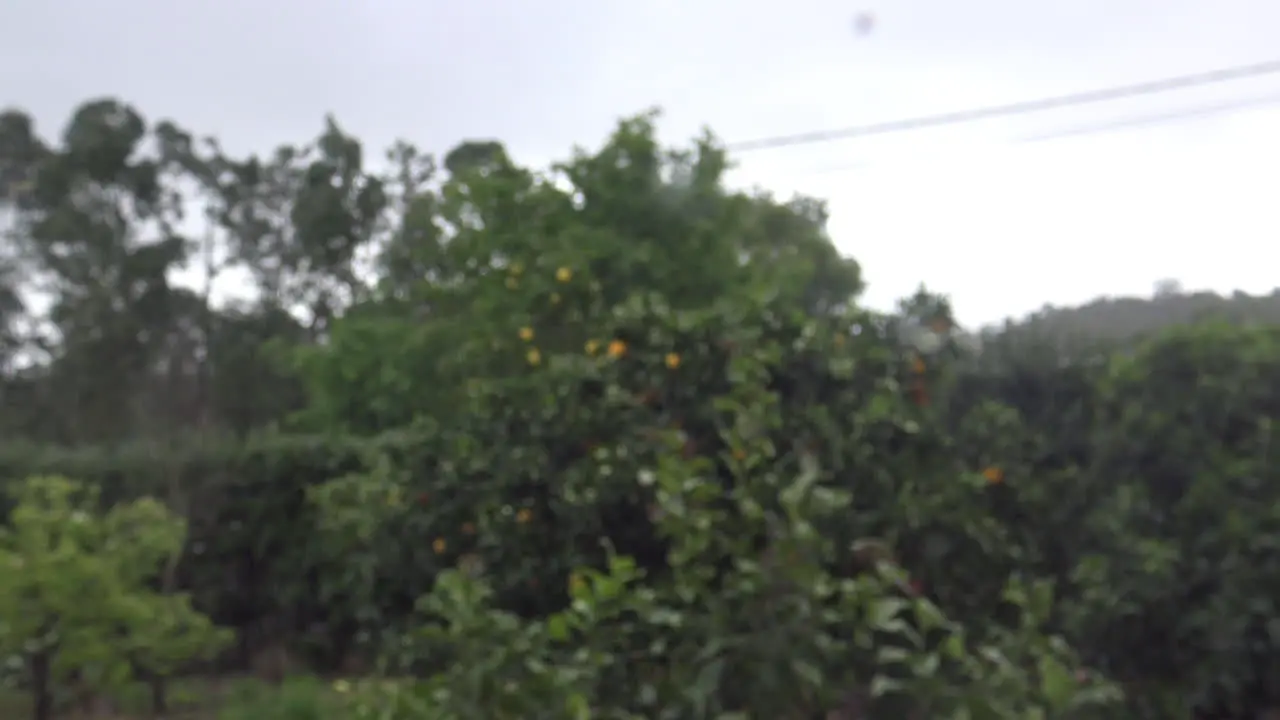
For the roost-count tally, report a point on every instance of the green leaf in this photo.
(882, 685)
(558, 627)
(884, 611)
(1058, 683)
(807, 672)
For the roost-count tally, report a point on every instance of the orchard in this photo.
(615, 441)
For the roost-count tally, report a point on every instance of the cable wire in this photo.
(1121, 92)
(1168, 118)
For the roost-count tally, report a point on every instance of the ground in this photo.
(204, 699)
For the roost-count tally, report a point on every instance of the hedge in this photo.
(249, 562)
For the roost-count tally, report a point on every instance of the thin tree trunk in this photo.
(41, 692)
(159, 695)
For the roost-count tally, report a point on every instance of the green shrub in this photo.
(76, 604)
(678, 486)
(246, 562)
(301, 698)
(753, 610)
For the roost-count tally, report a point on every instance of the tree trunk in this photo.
(159, 696)
(41, 692)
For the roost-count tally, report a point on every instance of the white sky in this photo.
(1003, 226)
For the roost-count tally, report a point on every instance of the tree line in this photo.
(99, 343)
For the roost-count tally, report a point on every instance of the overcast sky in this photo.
(1002, 225)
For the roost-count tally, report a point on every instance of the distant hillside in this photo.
(1125, 318)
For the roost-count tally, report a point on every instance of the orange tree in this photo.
(1185, 438)
(1145, 491)
(648, 383)
(756, 603)
(631, 216)
(537, 257)
(722, 529)
(1018, 407)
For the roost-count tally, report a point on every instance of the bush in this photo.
(246, 562)
(748, 584)
(75, 599)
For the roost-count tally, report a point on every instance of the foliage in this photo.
(244, 504)
(295, 699)
(76, 603)
(1190, 592)
(657, 447)
(621, 371)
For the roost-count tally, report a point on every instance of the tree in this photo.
(58, 550)
(297, 220)
(631, 215)
(98, 222)
(648, 469)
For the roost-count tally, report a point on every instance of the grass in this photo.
(301, 698)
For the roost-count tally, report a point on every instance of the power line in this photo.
(1168, 118)
(1020, 108)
